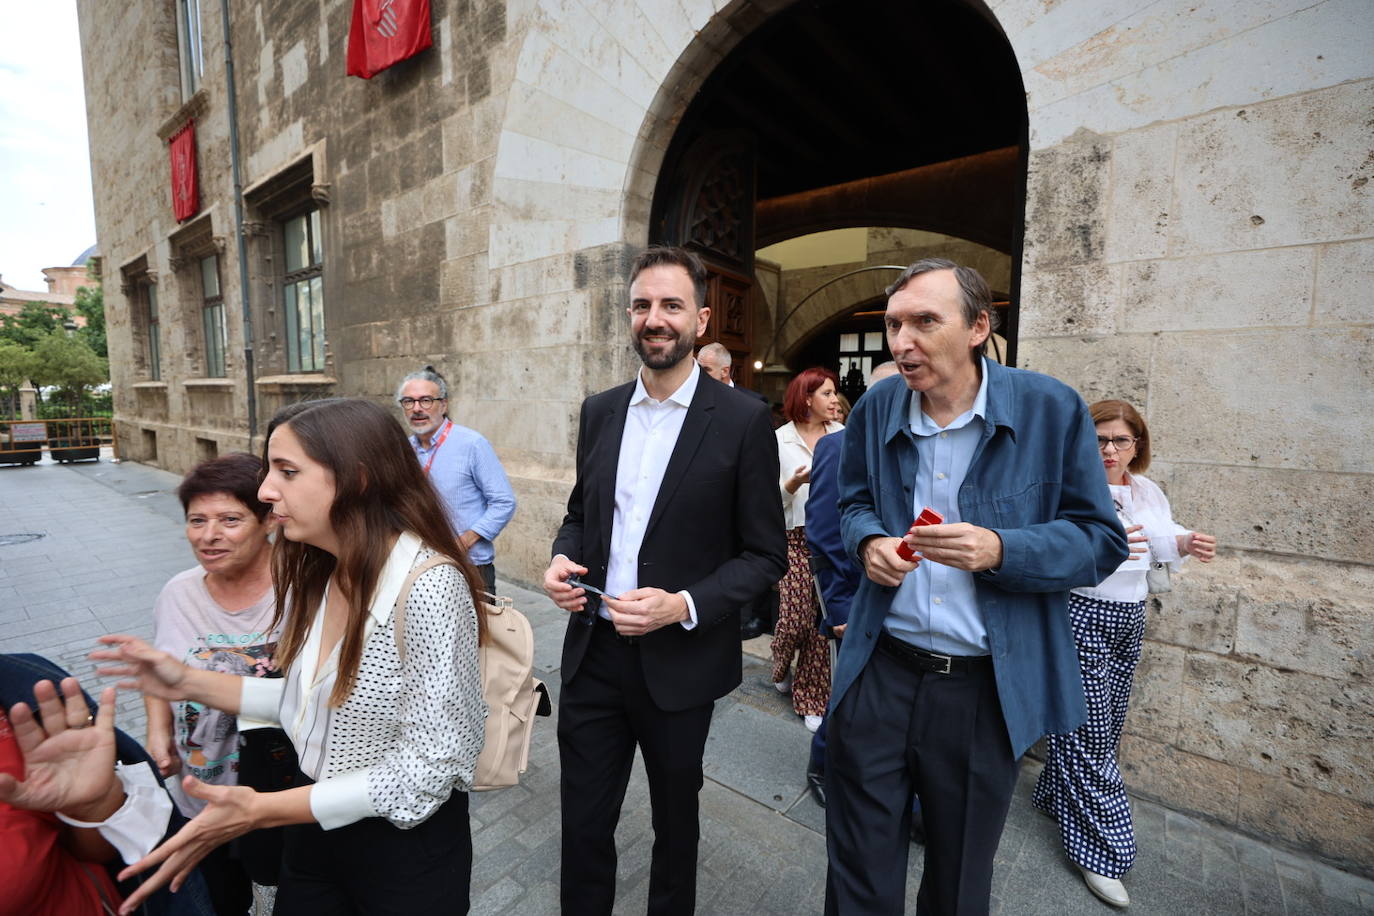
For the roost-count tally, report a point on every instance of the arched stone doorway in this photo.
(876, 113)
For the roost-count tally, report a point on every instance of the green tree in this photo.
(34, 322)
(90, 304)
(16, 365)
(68, 362)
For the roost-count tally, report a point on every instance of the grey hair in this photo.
(719, 352)
(974, 294)
(427, 374)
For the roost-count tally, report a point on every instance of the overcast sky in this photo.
(46, 215)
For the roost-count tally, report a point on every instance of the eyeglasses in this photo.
(425, 402)
(1120, 442)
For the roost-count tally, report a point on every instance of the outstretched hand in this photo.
(155, 673)
(230, 813)
(68, 758)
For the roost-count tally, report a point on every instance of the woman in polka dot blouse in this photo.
(387, 739)
(1081, 785)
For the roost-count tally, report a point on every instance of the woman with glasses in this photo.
(1081, 785)
(382, 697)
(215, 616)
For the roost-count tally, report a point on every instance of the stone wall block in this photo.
(1101, 367)
(1315, 731)
(1200, 613)
(1341, 829)
(1291, 618)
(1285, 399)
(1345, 283)
(473, 136)
(1066, 203)
(537, 113)
(1236, 290)
(466, 233)
(1142, 194)
(1073, 301)
(1157, 693)
(1286, 172)
(1183, 781)
(1295, 513)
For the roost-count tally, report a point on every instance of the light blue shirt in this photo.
(470, 480)
(936, 606)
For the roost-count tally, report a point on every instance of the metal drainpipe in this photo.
(238, 227)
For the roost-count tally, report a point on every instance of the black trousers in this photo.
(941, 736)
(602, 714)
(488, 573)
(373, 867)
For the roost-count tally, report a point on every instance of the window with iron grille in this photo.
(189, 46)
(303, 292)
(212, 317)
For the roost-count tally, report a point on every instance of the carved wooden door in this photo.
(711, 210)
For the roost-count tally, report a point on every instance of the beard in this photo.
(664, 359)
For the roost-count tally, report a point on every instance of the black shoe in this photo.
(751, 628)
(816, 782)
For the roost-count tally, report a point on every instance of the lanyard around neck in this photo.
(448, 427)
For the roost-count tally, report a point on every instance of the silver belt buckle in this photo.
(948, 660)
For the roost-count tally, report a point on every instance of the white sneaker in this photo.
(1108, 890)
(812, 723)
(784, 685)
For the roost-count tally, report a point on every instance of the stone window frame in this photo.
(138, 284)
(295, 189)
(191, 245)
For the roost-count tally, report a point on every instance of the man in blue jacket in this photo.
(954, 663)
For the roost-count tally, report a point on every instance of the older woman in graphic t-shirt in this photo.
(216, 616)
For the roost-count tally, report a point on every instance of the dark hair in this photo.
(380, 491)
(975, 296)
(1106, 411)
(669, 256)
(800, 389)
(236, 474)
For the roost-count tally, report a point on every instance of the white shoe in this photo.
(784, 685)
(1108, 890)
(812, 723)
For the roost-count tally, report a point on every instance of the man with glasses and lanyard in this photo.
(462, 466)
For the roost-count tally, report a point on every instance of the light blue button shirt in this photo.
(470, 480)
(936, 606)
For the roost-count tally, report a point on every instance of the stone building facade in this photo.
(1183, 200)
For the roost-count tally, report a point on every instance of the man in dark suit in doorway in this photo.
(674, 515)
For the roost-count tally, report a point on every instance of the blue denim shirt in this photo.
(1037, 481)
(470, 480)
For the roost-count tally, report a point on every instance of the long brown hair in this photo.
(1106, 411)
(380, 491)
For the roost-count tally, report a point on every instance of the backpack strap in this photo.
(399, 608)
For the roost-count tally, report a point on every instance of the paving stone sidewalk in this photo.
(110, 535)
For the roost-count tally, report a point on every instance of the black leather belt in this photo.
(602, 623)
(908, 656)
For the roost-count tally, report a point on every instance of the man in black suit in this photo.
(675, 513)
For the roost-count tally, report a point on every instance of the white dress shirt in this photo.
(793, 452)
(1140, 501)
(651, 431)
(410, 732)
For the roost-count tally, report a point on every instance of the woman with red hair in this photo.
(811, 407)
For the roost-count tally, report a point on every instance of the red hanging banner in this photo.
(384, 32)
(185, 188)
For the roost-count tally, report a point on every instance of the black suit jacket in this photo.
(716, 530)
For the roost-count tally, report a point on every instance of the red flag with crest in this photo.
(384, 32)
(185, 187)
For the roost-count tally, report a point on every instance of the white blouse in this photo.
(1140, 501)
(410, 732)
(792, 454)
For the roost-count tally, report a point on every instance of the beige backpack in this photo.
(514, 695)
